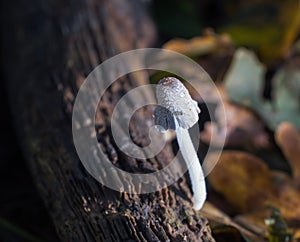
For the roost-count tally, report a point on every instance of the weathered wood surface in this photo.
(49, 49)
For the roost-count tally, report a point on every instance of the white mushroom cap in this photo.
(173, 96)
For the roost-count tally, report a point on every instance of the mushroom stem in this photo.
(180, 112)
(193, 164)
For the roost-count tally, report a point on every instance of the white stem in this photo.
(195, 170)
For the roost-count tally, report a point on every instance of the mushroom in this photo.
(178, 111)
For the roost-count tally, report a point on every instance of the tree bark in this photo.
(49, 49)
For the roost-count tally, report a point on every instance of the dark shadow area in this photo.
(23, 216)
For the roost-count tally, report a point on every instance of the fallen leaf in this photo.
(244, 79)
(216, 217)
(244, 83)
(200, 45)
(252, 188)
(242, 129)
(243, 179)
(254, 220)
(288, 138)
(286, 198)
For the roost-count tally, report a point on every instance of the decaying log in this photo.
(49, 48)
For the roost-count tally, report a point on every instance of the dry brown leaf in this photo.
(243, 179)
(288, 138)
(254, 220)
(243, 128)
(199, 46)
(217, 217)
(247, 183)
(287, 198)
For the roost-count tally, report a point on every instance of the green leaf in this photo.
(244, 84)
(243, 80)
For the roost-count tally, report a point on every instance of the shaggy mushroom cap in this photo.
(175, 102)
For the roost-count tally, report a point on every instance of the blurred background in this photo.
(268, 28)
